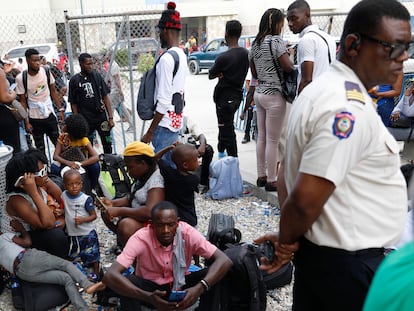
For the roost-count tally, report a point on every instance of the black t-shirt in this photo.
(179, 189)
(234, 64)
(87, 92)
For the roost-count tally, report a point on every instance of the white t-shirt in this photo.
(166, 86)
(312, 48)
(38, 94)
(335, 133)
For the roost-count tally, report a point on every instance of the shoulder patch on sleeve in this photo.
(343, 124)
(353, 92)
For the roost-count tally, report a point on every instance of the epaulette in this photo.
(353, 92)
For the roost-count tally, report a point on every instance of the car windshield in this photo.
(19, 52)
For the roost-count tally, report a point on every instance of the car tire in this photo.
(193, 67)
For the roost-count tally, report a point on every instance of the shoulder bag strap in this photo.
(274, 62)
(329, 54)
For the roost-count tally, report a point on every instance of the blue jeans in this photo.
(162, 138)
(39, 266)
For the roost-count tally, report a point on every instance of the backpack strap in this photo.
(24, 78)
(257, 287)
(329, 54)
(47, 69)
(176, 61)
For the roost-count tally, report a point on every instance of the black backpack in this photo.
(242, 288)
(145, 100)
(222, 231)
(115, 166)
(30, 296)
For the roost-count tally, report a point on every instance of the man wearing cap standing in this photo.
(169, 88)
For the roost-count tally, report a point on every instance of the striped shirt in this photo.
(269, 82)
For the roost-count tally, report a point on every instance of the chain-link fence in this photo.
(127, 39)
(122, 46)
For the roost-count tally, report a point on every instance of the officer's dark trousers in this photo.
(332, 279)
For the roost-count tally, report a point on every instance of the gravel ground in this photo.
(251, 218)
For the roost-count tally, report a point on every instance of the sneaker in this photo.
(130, 130)
(221, 155)
(246, 139)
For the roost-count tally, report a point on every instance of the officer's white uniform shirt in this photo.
(343, 140)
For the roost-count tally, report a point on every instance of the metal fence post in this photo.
(69, 42)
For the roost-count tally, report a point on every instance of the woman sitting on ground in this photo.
(27, 202)
(134, 211)
(74, 135)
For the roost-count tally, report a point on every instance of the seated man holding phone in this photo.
(163, 252)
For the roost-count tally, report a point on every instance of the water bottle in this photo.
(14, 282)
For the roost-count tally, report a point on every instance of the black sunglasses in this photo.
(395, 49)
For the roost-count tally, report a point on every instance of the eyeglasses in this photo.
(42, 172)
(396, 50)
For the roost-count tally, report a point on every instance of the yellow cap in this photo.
(138, 148)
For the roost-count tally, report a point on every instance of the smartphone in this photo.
(12, 87)
(177, 295)
(19, 181)
(268, 250)
(98, 199)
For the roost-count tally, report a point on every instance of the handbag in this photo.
(289, 81)
(17, 110)
(73, 153)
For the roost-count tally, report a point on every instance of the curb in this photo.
(262, 194)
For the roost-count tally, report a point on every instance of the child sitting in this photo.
(33, 265)
(181, 183)
(75, 131)
(79, 216)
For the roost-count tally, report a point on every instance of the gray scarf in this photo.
(179, 264)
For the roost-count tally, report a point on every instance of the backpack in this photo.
(114, 180)
(221, 231)
(225, 179)
(145, 102)
(242, 288)
(30, 296)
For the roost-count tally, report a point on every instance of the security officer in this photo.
(343, 196)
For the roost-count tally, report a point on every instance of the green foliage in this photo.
(145, 61)
(121, 57)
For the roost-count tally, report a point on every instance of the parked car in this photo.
(205, 59)
(48, 50)
(138, 46)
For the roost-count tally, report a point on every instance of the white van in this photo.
(49, 50)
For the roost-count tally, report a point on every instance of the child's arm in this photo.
(163, 151)
(24, 240)
(203, 143)
(90, 207)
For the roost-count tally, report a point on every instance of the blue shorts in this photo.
(86, 247)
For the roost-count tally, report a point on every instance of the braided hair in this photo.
(268, 24)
